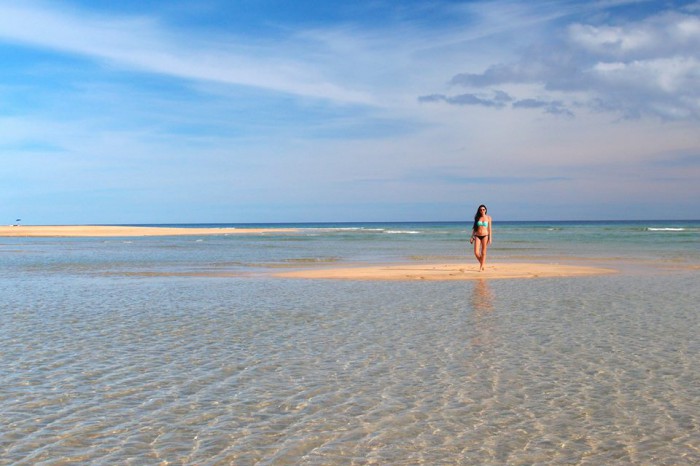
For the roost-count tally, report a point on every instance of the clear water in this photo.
(138, 351)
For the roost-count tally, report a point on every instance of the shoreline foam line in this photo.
(69, 231)
(447, 272)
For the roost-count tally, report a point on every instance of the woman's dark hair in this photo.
(478, 215)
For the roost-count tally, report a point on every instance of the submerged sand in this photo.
(411, 271)
(117, 231)
(447, 272)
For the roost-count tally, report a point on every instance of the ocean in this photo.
(187, 350)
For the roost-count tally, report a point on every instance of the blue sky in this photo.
(289, 111)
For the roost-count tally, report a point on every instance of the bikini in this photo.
(481, 224)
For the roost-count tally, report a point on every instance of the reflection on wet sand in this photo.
(482, 306)
(482, 297)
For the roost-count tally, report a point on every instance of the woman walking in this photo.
(481, 235)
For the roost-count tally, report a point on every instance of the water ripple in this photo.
(256, 371)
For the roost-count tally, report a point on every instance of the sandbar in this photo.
(67, 231)
(447, 272)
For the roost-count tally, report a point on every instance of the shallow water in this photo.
(103, 365)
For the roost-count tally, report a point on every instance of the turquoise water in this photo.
(137, 351)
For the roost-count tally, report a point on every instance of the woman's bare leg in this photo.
(477, 249)
(482, 257)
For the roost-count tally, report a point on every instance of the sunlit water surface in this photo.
(108, 359)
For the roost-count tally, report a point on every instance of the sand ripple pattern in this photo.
(212, 371)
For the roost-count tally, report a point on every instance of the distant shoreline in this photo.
(86, 231)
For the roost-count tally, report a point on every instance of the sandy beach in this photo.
(448, 272)
(117, 231)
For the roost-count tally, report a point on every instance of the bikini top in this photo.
(482, 224)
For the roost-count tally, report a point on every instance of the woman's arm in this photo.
(490, 230)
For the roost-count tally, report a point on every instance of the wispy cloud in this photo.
(501, 180)
(498, 99)
(555, 107)
(143, 44)
(683, 160)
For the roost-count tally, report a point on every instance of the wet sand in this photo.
(447, 272)
(25, 231)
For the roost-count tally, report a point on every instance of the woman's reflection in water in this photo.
(482, 298)
(482, 304)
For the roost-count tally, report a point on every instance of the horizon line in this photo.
(467, 221)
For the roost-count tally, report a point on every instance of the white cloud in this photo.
(647, 67)
(667, 75)
(663, 34)
(603, 40)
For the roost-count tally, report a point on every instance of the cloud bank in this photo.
(648, 67)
